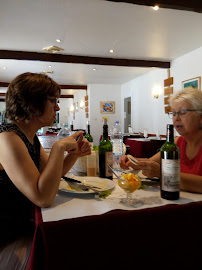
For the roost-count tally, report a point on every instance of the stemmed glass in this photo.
(129, 182)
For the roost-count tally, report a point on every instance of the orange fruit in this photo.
(134, 181)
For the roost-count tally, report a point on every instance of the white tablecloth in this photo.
(67, 206)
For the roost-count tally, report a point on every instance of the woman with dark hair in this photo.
(28, 176)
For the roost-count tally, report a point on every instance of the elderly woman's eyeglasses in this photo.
(181, 113)
(55, 101)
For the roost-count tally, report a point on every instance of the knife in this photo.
(80, 184)
(70, 179)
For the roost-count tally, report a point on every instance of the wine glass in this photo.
(129, 183)
(145, 133)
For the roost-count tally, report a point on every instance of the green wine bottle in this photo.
(170, 167)
(71, 126)
(88, 136)
(105, 154)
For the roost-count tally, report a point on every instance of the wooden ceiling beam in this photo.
(62, 96)
(73, 87)
(4, 84)
(79, 59)
(67, 96)
(193, 5)
(67, 87)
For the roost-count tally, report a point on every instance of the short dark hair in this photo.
(27, 93)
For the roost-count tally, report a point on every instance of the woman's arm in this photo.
(40, 188)
(191, 182)
(83, 149)
(150, 166)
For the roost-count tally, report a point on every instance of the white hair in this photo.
(192, 96)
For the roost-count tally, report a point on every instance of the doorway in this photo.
(127, 114)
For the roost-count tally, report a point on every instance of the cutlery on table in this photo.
(114, 172)
(82, 185)
(132, 159)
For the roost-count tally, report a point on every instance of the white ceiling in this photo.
(92, 28)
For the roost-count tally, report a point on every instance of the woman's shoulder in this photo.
(10, 132)
(8, 127)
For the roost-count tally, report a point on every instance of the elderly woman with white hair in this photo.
(187, 119)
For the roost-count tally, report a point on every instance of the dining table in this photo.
(82, 230)
(144, 147)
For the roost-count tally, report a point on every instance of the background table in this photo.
(144, 148)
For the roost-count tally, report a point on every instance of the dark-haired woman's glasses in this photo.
(55, 101)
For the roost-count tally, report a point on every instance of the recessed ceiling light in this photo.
(58, 40)
(111, 51)
(94, 69)
(53, 49)
(49, 66)
(47, 71)
(4, 68)
(155, 7)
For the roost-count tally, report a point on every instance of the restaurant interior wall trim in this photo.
(103, 92)
(147, 112)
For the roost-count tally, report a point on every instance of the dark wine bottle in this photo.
(170, 167)
(71, 126)
(88, 136)
(105, 154)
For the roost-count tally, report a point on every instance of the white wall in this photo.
(80, 116)
(147, 112)
(103, 92)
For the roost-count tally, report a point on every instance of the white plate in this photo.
(102, 183)
(141, 175)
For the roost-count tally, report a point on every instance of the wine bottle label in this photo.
(108, 161)
(170, 175)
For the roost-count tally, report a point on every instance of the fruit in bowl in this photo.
(129, 182)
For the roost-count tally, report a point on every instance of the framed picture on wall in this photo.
(107, 106)
(193, 83)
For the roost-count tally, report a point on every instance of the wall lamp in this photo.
(71, 108)
(156, 96)
(156, 92)
(82, 104)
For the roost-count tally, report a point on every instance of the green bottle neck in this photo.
(105, 132)
(170, 133)
(88, 129)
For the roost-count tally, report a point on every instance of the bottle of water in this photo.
(117, 143)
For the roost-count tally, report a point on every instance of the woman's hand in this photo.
(125, 163)
(149, 168)
(81, 147)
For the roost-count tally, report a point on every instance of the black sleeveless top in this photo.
(15, 208)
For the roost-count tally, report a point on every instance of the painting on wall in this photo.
(107, 106)
(194, 83)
